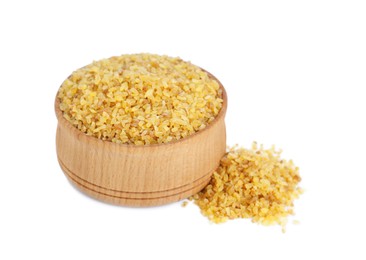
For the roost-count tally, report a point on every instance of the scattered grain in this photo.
(254, 184)
(184, 203)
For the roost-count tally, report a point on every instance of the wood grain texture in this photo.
(145, 175)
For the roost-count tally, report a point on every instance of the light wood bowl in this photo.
(147, 175)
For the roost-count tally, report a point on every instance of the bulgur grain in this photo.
(184, 203)
(140, 99)
(254, 184)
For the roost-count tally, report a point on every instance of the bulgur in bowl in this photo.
(140, 129)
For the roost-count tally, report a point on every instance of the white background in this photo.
(295, 73)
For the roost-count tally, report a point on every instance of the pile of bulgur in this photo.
(140, 99)
(254, 183)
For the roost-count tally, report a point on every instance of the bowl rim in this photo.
(84, 137)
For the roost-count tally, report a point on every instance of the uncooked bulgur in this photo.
(140, 99)
(254, 184)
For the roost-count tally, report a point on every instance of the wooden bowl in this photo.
(146, 175)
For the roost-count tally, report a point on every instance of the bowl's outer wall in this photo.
(140, 175)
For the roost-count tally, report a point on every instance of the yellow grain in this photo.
(251, 183)
(159, 99)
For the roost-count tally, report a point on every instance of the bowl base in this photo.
(135, 199)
